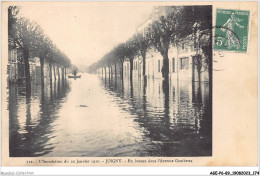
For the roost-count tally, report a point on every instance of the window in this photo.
(173, 64)
(13, 55)
(159, 66)
(184, 63)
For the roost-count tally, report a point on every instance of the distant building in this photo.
(12, 70)
(15, 66)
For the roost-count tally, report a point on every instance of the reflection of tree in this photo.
(34, 140)
(144, 97)
(197, 103)
(130, 52)
(166, 119)
(166, 97)
(131, 89)
(139, 106)
(28, 126)
(186, 135)
(203, 115)
(51, 93)
(13, 121)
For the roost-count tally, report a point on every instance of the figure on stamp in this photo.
(232, 40)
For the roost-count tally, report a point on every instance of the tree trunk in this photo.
(105, 75)
(115, 71)
(199, 76)
(131, 76)
(62, 76)
(109, 72)
(199, 66)
(50, 72)
(62, 73)
(115, 77)
(144, 63)
(165, 67)
(54, 72)
(27, 72)
(122, 75)
(111, 68)
(131, 69)
(58, 68)
(42, 78)
(144, 68)
(177, 60)
(193, 99)
(165, 86)
(42, 70)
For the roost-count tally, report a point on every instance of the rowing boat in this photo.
(71, 76)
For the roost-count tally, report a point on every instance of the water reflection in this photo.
(31, 118)
(176, 116)
(109, 116)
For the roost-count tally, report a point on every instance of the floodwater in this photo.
(97, 116)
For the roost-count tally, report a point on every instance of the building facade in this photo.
(182, 56)
(182, 63)
(16, 68)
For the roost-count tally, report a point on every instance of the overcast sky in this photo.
(86, 31)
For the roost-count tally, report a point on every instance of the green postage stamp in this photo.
(231, 31)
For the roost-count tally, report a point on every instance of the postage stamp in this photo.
(231, 32)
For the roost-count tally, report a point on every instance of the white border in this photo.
(127, 170)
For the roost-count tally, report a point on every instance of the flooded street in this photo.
(97, 116)
(128, 84)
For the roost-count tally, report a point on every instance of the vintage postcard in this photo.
(129, 83)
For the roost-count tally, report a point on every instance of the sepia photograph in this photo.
(106, 83)
(81, 92)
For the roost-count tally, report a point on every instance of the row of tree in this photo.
(168, 29)
(29, 38)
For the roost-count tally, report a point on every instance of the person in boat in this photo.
(75, 73)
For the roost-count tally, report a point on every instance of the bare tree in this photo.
(26, 37)
(130, 53)
(198, 20)
(161, 33)
(44, 51)
(120, 55)
(62, 62)
(142, 44)
(13, 11)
